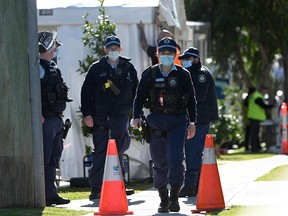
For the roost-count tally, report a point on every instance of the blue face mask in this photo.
(166, 60)
(187, 63)
(55, 54)
(113, 55)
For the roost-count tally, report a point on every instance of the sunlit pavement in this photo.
(238, 185)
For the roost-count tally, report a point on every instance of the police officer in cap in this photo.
(54, 96)
(207, 111)
(106, 102)
(167, 91)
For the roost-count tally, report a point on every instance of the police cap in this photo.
(46, 41)
(112, 41)
(190, 52)
(167, 43)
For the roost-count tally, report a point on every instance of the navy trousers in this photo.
(53, 147)
(193, 155)
(167, 151)
(118, 127)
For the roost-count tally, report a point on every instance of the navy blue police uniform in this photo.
(207, 111)
(168, 97)
(107, 95)
(54, 96)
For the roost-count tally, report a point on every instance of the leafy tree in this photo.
(229, 128)
(245, 36)
(94, 35)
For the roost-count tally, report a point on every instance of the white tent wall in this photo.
(68, 21)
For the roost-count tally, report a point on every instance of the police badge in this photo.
(172, 81)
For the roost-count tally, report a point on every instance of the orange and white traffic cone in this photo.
(210, 195)
(284, 128)
(113, 200)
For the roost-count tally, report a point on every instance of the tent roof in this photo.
(44, 4)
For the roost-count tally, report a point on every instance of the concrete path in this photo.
(238, 186)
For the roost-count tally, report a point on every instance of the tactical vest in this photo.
(53, 90)
(166, 94)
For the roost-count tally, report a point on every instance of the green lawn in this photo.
(278, 173)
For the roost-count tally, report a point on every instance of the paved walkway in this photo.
(238, 185)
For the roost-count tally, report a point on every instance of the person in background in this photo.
(246, 123)
(54, 96)
(152, 50)
(207, 111)
(167, 91)
(256, 114)
(106, 102)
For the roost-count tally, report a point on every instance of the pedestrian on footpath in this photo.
(256, 114)
(246, 123)
(54, 96)
(106, 102)
(207, 111)
(167, 91)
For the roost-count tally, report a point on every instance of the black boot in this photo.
(129, 191)
(164, 205)
(174, 204)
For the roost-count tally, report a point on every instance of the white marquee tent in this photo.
(66, 17)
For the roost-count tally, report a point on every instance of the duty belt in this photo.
(46, 113)
(168, 111)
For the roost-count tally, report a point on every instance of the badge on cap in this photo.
(167, 41)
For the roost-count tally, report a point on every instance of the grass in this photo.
(240, 155)
(70, 193)
(47, 211)
(83, 193)
(277, 174)
(251, 211)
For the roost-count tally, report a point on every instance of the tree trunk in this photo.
(16, 135)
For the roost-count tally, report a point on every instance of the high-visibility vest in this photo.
(254, 110)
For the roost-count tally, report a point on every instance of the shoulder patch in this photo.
(202, 78)
(42, 71)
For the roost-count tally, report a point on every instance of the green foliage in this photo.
(244, 36)
(229, 126)
(94, 36)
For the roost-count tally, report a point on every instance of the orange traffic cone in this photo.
(113, 200)
(284, 128)
(210, 195)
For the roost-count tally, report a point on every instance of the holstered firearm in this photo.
(146, 130)
(67, 126)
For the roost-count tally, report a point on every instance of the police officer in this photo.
(54, 96)
(167, 90)
(106, 101)
(207, 111)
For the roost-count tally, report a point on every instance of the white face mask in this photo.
(113, 55)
